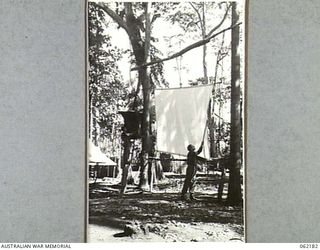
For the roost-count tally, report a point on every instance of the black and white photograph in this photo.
(166, 118)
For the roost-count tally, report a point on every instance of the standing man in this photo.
(190, 180)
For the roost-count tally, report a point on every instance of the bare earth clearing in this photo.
(161, 216)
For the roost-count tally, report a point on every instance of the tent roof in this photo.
(95, 155)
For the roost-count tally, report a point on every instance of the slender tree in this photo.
(197, 19)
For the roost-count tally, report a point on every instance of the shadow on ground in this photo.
(107, 208)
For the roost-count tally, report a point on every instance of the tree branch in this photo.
(155, 16)
(188, 48)
(223, 55)
(112, 14)
(198, 14)
(221, 22)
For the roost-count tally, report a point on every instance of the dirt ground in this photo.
(161, 216)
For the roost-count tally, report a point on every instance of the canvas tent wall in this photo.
(95, 155)
(100, 165)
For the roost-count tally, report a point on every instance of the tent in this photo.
(100, 165)
(95, 156)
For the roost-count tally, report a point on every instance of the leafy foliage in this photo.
(156, 71)
(106, 90)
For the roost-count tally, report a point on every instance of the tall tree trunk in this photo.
(145, 80)
(204, 31)
(234, 190)
(141, 52)
(146, 140)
